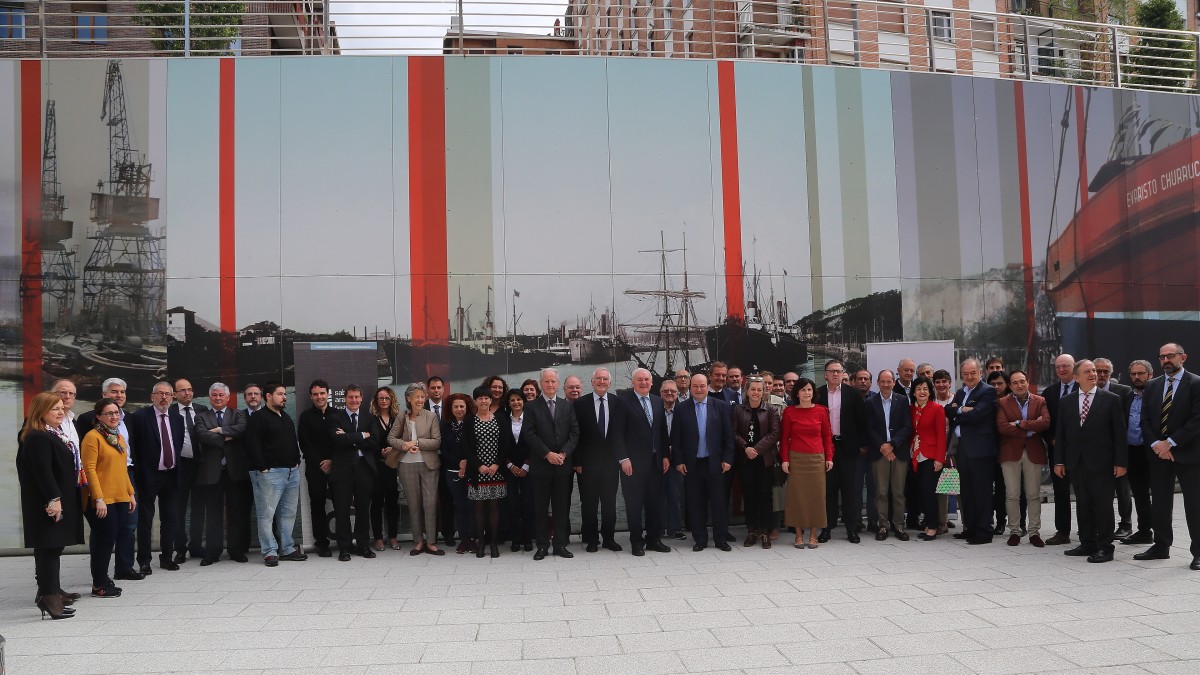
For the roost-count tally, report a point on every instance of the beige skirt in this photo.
(805, 491)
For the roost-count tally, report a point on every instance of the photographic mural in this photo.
(481, 215)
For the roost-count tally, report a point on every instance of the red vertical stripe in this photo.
(731, 195)
(1026, 229)
(31, 228)
(226, 203)
(427, 211)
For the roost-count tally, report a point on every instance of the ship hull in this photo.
(585, 351)
(735, 344)
(459, 363)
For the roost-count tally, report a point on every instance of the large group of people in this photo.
(499, 465)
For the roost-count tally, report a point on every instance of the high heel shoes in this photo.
(53, 605)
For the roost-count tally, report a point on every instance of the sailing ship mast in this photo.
(675, 327)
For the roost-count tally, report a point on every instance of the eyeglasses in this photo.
(66, 394)
(834, 370)
(115, 413)
(1166, 357)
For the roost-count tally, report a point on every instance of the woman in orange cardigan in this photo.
(928, 451)
(110, 502)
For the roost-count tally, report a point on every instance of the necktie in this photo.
(551, 404)
(187, 417)
(600, 419)
(437, 410)
(1084, 413)
(1066, 389)
(1168, 398)
(220, 417)
(702, 429)
(354, 420)
(167, 454)
(646, 407)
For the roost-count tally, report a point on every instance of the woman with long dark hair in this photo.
(496, 387)
(520, 487)
(385, 503)
(928, 452)
(457, 410)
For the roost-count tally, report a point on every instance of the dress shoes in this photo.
(638, 549)
(324, 552)
(902, 535)
(823, 536)
(1195, 563)
(853, 538)
(366, 552)
(751, 539)
(527, 546)
(612, 545)
(432, 551)
(129, 575)
(659, 547)
(1105, 554)
(516, 546)
(344, 556)
(1152, 553)
(927, 537)
(1036, 541)
(205, 562)
(679, 535)
(724, 546)
(592, 548)
(1079, 551)
(1139, 537)
(1059, 539)
(462, 548)
(979, 541)
(295, 556)
(962, 535)
(145, 570)
(1123, 530)
(168, 565)
(881, 535)
(698, 547)
(540, 555)
(239, 558)
(179, 558)
(1014, 540)
(563, 552)
(998, 531)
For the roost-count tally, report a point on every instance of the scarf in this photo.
(110, 435)
(80, 476)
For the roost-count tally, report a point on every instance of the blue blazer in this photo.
(900, 423)
(685, 435)
(145, 442)
(979, 438)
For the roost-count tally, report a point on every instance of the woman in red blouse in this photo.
(928, 451)
(806, 448)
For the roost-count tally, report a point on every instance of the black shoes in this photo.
(592, 548)
(295, 556)
(881, 535)
(638, 550)
(366, 552)
(540, 555)
(902, 536)
(1079, 551)
(724, 546)
(1123, 530)
(824, 536)
(698, 547)
(130, 575)
(1139, 537)
(852, 538)
(495, 551)
(1152, 553)
(324, 552)
(612, 545)
(679, 535)
(205, 562)
(145, 570)
(108, 590)
(344, 556)
(238, 558)
(1105, 554)
(978, 541)
(563, 552)
(515, 547)
(658, 547)
(179, 558)
(1195, 563)
(167, 565)
(271, 561)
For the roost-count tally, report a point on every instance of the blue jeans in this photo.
(276, 496)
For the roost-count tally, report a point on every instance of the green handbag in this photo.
(948, 483)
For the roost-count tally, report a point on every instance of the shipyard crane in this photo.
(124, 278)
(59, 273)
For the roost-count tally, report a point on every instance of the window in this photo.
(891, 19)
(942, 27)
(688, 25)
(12, 21)
(1019, 59)
(91, 27)
(983, 34)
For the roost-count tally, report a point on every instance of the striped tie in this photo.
(1084, 413)
(1168, 398)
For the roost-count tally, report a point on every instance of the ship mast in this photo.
(670, 322)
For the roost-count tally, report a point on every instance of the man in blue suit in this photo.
(972, 416)
(156, 442)
(702, 450)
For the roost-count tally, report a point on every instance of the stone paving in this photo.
(893, 607)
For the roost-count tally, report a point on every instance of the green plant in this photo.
(213, 26)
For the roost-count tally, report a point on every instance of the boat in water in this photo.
(762, 339)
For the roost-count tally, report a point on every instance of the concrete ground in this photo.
(893, 607)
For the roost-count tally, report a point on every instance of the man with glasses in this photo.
(1171, 426)
(790, 379)
(156, 435)
(66, 392)
(848, 418)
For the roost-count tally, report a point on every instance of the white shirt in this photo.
(159, 423)
(966, 395)
(436, 407)
(517, 423)
(887, 416)
(187, 436)
(358, 413)
(68, 428)
(835, 411)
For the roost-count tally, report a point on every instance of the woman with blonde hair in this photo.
(414, 441)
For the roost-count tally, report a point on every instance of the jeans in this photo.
(276, 497)
(106, 532)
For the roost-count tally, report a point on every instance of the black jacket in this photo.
(270, 441)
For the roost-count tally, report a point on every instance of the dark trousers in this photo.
(643, 500)
(519, 509)
(448, 521)
(912, 499)
(1094, 507)
(104, 535)
(999, 497)
(976, 474)
(385, 504)
(672, 501)
(352, 490)
(46, 567)
(239, 497)
(839, 482)
(704, 490)
(862, 476)
(162, 487)
(190, 533)
(1062, 499)
(318, 492)
(208, 517)
(1162, 486)
(926, 481)
(127, 537)
(598, 489)
(758, 481)
(552, 490)
(464, 520)
(1133, 489)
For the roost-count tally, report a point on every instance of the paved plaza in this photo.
(894, 607)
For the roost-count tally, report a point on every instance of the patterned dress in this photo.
(487, 438)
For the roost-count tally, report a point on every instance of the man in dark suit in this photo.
(972, 417)
(555, 435)
(702, 450)
(1104, 372)
(733, 392)
(188, 466)
(156, 441)
(1092, 452)
(647, 458)
(314, 432)
(222, 473)
(1171, 425)
(848, 417)
(601, 444)
(352, 474)
(889, 434)
(1064, 368)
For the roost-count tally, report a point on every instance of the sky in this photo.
(418, 26)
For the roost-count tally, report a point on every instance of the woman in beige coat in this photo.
(415, 439)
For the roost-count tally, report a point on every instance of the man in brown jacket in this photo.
(1021, 417)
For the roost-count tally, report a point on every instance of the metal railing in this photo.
(865, 33)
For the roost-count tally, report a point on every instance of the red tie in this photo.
(167, 454)
(1086, 407)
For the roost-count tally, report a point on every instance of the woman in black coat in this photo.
(48, 469)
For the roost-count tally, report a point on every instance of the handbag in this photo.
(948, 482)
